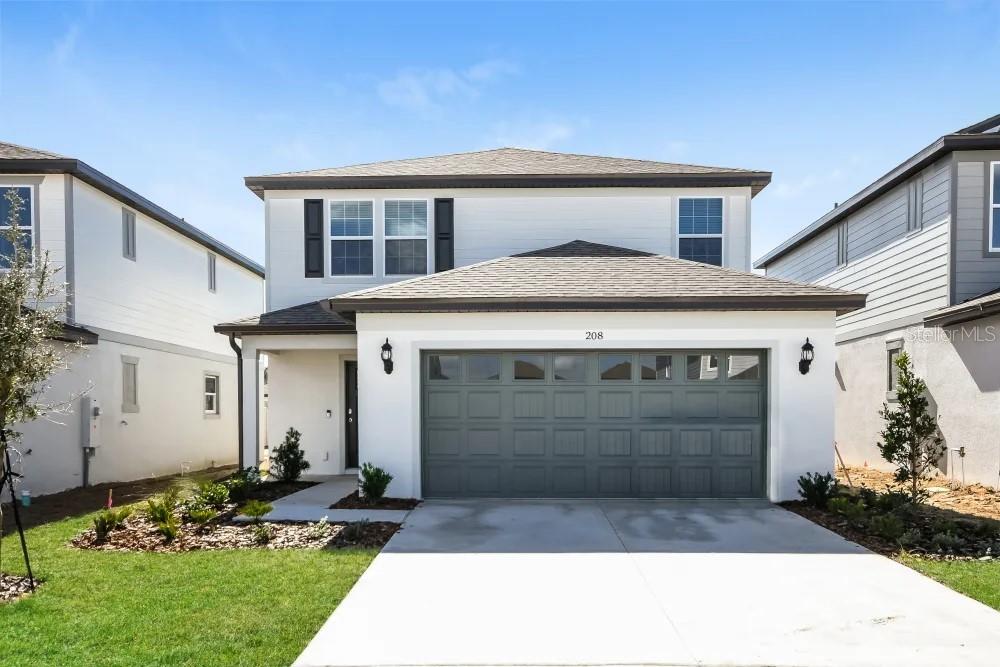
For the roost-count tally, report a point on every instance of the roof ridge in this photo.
(615, 157)
(57, 156)
(368, 164)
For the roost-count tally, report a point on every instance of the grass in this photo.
(980, 580)
(239, 607)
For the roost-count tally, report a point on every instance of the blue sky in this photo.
(180, 101)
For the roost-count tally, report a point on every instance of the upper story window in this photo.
(25, 220)
(128, 234)
(351, 238)
(405, 237)
(995, 207)
(211, 272)
(699, 228)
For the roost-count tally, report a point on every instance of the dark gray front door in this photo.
(546, 424)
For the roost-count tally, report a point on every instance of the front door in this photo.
(351, 413)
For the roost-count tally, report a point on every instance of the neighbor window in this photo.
(995, 207)
(699, 228)
(128, 234)
(529, 367)
(702, 367)
(484, 368)
(443, 366)
(893, 349)
(24, 222)
(654, 366)
(568, 367)
(743, 367)
(211, 272)
(615, 366)
(842, 244)
(351, 238)
(405, 237)
(211, 394)
(130, 384)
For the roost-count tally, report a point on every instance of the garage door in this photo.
(547, 424)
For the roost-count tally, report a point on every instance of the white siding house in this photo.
(158, 386)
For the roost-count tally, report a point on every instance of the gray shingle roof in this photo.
(314, 317)
(982, 306)
(585, 276)
(10, 151)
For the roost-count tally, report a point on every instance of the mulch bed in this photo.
(269, 491)
(14, 587)
(354, 501)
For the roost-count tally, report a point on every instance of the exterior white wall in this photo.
(162, 295)
(800, 407)
(170, 429)
(961, 365)
(495, 222)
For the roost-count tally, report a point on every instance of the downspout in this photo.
(239, 393)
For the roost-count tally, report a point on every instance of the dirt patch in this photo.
(974, 500)
(269, 491)
(354, 501)
(14, 587)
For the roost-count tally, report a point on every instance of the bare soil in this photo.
(14, 587)
(973, 500)
(354, 501)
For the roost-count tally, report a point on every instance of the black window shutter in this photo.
(444, 234)
(315, 242)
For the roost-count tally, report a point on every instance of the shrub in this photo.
(354, 531)
(202, 515)
(110, 519)
(320, 529)
(948, 541)
(169, 528)
(255, 509)
(852, 510)
(242, 483)
(817, 489)
(374, 482)
(889, 526)
(891, 501)
(263, 533)
(211, 494)
(288, 461)
(160, 510)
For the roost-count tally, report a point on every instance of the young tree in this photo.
(30, 317)
(288, 461)
(910, 440)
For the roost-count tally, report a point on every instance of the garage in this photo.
(684, 423)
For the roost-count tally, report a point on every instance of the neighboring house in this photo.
(923, 242)
(154, 389)
(520, 323)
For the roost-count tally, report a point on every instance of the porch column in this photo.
(251, 409)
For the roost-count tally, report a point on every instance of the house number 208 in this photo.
(595, 335)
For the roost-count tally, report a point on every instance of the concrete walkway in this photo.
(643, 583)
(313, 504)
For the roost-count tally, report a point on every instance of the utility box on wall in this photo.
(90, 409)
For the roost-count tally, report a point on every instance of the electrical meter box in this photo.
(91, 413)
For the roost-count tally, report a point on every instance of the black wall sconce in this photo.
(807, 357)
(387, 357)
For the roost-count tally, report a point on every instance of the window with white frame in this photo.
(24, 223)
(128, 234)
(351, 238)
(130, 384)
(995, 207)
(699, 228)
(211, 272)
(405, 237)
(211, 394)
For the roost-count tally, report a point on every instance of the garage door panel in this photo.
(443, 404)
(570, 405)
(702, 404)
(615, 404)
(483, 480)
(743, 404)
(654, 442)
(737, 442)
(656, 405)
(614, 481)
(570, 480)
(736, 481)
(529, 405)
(569, 442)
(444, 441)
(484, 404)
(695, 442)
(654, 481)
(529, 442)
(614, 443)
(482, 442)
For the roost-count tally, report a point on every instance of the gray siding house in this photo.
(923, 242)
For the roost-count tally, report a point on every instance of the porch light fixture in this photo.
(387, 357)
(807, 357)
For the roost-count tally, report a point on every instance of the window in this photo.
(211, 394)
(914, 204)
(443, 367)
(211, 272)
(130, 384)
(703, 367)
(995, 207)
(743, 367)
(842, 244)
(405, 237)
(25, 218)
(615, 366)
(128, 234)
(351, 232)
(699, 227)
(529, 367)
(484, 368)
(568, 367)
(893, 348)
(654, 366)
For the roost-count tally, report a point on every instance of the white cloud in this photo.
(65, 46)
(790, 189)
(537, 134)
(423, 89)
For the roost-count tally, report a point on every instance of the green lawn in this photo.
(979, 580)
(240, 607)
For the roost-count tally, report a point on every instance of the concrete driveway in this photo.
(642, 583)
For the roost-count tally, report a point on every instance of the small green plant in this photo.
(288, 461)
(243, 483)
(110, 519)
(910, 538)
(263, 533)
(211, 494)
(946, 542)
(888, 526)
(374, 482)
(202, 515)
(354, 531)
(320, 529)
(817, 489)
(169, 528)
(852, 510)
(255, 509)
(162, 508)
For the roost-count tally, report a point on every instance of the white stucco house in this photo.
(517, 323)
(154, 389)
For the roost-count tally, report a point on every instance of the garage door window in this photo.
(529, 367)
(484, 368)
(743, 367)
(443, 367)
(568, 367)
(654, 366)
(616, 366)
(703, 367)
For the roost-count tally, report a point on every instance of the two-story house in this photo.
(153, 390)
(923, 242)
(517, 323)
